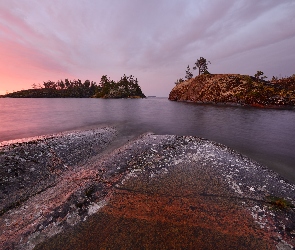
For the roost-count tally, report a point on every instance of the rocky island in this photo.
(236, 89)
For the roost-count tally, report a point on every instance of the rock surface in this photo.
(30, 166)
(236, 89)
(158, 192)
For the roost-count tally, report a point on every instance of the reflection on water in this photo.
(264, 135)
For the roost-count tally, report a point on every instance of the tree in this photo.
(202, 65)
(86, 84)
(180, 80)
(61, 84)
(49, 85)
(67, 83)
(188, 73)
(126, 87)
(259, 75)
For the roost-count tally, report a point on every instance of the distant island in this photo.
(234, 88)
(126, 87)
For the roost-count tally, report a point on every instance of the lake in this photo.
(265, 135)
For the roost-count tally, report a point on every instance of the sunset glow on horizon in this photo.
(152, 40)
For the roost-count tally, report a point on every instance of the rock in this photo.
(30, 166)
(236, 89)
(158, 191)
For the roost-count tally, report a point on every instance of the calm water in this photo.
(268, 136)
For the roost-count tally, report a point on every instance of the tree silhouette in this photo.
(127, 87)
(202, 65)
(180, 80)
(259, 75)
(188, 73)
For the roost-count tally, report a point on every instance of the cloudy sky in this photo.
(153, 40)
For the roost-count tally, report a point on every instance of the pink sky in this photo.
(153, 40)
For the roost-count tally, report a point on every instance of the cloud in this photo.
(149, 38)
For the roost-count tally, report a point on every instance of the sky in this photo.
(152, 40)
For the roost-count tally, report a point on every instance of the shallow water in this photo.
(266, 136)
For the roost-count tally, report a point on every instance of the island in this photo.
(236, 89)
(126, 87)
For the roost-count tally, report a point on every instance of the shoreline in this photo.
(242, 105)
(149, 165)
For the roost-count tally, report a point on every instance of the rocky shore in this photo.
(76, 190)
(235, 89)
(29, 167)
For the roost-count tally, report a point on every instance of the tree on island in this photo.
(127, 87)
(180, 80)
(188, 73)
(68, 88)
(259, 75)
(202, 65)
(104, 86)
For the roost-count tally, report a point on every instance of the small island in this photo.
(234, 89)
(126, 87)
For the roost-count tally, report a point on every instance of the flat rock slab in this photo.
(159, 192)
(30, 166)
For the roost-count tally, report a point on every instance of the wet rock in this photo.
(159, 191)
(30, 166)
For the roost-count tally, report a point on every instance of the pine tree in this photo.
(188, 73)
(202, 65)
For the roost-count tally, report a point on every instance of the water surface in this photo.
(267, 136)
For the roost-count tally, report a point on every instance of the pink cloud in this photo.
(41, 40)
